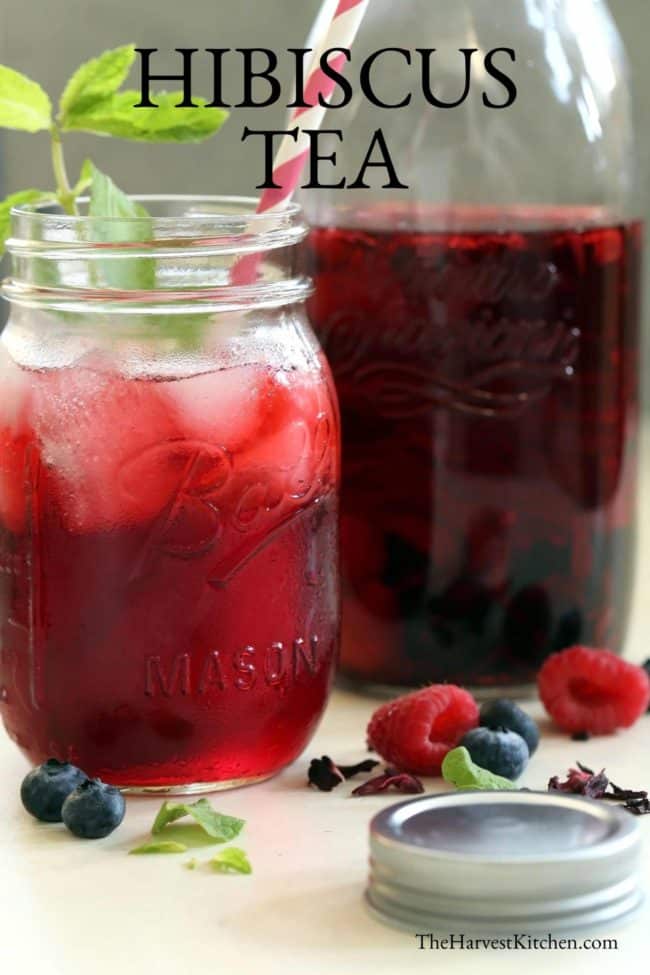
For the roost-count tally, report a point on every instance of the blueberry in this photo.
(93, 810)
(502, 752)
(45, 789)
(506, 714)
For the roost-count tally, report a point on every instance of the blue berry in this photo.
(45, 789)
(93, 810)
(502, 752)
(506, 714)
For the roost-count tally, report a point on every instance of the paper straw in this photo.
(317, 34)
(339, 30)
(292, 155)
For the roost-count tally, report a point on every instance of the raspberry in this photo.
(592, 690)
(416, 731)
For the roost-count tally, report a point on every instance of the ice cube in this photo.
(295, 433)
(15, 384)
(224, 407)
(15, 392)
(94, 425)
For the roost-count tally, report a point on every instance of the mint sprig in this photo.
(167, 123)
(93, 102)
(95, 82)
(23, 103)
(129, 223)
(17, 199)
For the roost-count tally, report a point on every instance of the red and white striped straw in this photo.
(292, 155)
(339, 30)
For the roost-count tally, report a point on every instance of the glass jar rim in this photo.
(197, 216)
(206, 250)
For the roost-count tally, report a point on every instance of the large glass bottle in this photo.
(482, 326)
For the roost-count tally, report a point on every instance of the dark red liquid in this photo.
(168, 590)
(488, 388)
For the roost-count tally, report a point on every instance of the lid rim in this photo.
(625, 835)
(560, 924)
(419, 885)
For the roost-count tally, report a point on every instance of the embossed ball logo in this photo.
(216, 509)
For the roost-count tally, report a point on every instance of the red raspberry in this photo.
(592, 690)
(415, 732)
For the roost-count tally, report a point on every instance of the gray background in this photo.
(47, 39)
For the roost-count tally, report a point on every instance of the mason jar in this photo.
(482, 324)
(169, 463)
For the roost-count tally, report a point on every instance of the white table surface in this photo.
(69, 907)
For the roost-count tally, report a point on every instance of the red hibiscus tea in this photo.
(488, 387)
(167, 559)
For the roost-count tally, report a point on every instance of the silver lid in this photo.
(503, 862)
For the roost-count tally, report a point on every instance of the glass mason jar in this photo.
(482, 327)
(169, 463)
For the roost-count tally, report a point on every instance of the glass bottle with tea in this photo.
(482, 323)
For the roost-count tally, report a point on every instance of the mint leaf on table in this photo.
(220, 827)
(158, 846)
(460, 771)
(16, 199)
(96, 80)
(117, 116)
(190, 834)
(231, 860)
(169, 812)
(120, 220)
(23, 103)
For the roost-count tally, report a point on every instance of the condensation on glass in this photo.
(169, 465)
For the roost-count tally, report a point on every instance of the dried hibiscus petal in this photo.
(390, 779)
(585, 782)
(638, 807)
(582, 782)
(628, 793)
(366, 766)
(325, 774)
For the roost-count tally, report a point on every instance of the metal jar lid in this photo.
(503, 862)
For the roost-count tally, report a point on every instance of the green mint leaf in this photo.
(231, 860)
(186, 331)
(191, 864)
(23, 103)
(221, 828)
(118, 117)
(169, 812)
(107, 200)
(190, 834)
(459, 770)
(125, 221)
(85, 178)
(158, 846)
(23, 196)
(96, 80)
